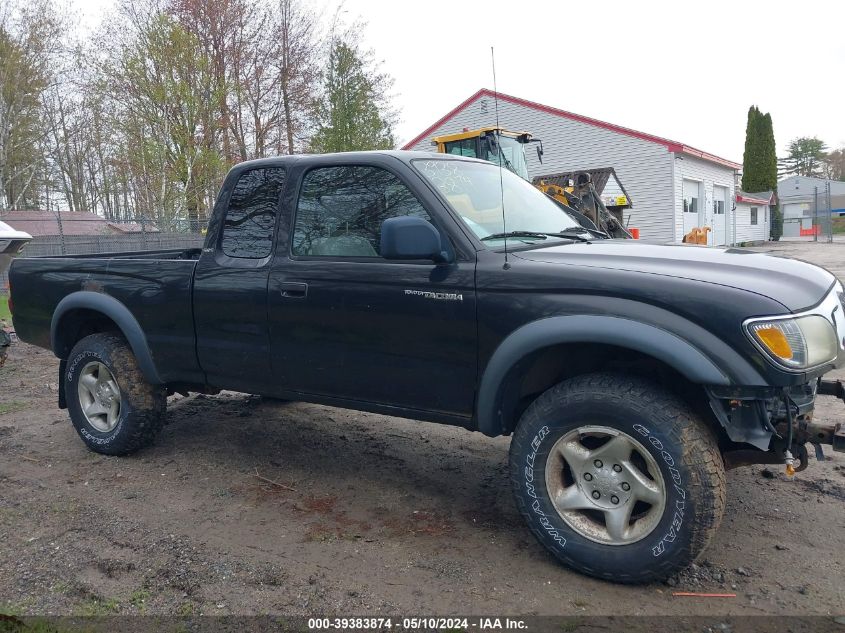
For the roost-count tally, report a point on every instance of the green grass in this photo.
(4, 309)
(95, 607)
(186, 609)
(139, 600)
(11, 407)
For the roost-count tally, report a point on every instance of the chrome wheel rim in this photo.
(605, 485)
(99, 396)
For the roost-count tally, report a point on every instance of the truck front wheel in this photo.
(112, 406)
(617, 477)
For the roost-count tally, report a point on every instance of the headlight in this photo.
(798, 343)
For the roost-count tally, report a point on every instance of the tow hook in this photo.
(789, 459)
(790, 464)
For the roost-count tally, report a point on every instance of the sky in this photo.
(685, 70)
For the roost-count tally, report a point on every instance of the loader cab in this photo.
(495, 145)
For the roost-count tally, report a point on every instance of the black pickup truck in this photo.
(629, 375)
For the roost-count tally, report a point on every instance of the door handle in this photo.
(293, 289)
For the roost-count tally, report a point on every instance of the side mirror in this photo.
(411, 238)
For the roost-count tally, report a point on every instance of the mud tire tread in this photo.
(706, 488)
(143, 405)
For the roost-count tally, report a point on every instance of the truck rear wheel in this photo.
(617, 477)
(112, 406)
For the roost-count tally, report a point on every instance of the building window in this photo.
(251, 216)
(719, 207)
(341, 210)
(692, 191)
(753, 215)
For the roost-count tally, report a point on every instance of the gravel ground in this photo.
(368, 515)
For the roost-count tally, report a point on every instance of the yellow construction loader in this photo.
(577, 192)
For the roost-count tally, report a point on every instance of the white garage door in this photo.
(720, 203)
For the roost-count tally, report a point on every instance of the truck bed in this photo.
(156, 286)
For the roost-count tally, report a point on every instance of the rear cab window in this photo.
(250, 220)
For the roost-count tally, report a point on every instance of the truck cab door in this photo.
(230, 283)
(348, 324)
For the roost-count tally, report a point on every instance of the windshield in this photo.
(473, 190)
(512, 154)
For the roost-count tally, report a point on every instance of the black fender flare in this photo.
(654, 341)
(113, 309)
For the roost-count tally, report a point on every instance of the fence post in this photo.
(829, 214)
(61, 231)
(143, 231)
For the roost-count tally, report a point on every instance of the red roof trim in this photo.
(672, 146)
(750, 200)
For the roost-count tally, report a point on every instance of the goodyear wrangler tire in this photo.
(113, 408)
(617, 477)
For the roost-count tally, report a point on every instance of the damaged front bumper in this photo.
(777, 421)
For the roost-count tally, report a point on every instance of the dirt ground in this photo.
(369, 515)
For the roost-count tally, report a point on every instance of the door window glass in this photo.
(691, 192)
(251, 216)
(341, 210)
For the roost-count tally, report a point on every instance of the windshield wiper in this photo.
(500, 236)
(572, 235)
(509, 165)
(588, 231)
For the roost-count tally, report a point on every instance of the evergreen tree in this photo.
(805, 158)
(354, 112)
(751, 156)
(760, 163)
(769, 161)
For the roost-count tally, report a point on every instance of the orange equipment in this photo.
(697, 235)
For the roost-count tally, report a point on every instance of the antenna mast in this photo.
(499, 150)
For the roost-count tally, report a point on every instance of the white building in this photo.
(752, 217)
(673, 187)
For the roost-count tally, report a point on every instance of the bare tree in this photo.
(299, 71)
(29, 34)
(140, 121)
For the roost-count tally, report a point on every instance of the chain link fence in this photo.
(52, 245)
(813, 219)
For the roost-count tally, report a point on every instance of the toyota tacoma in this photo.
(630, 376)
